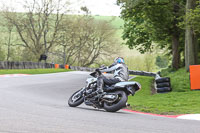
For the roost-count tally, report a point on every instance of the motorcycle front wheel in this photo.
(76, 99)
(118, 104)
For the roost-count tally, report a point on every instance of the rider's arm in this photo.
(110, 68)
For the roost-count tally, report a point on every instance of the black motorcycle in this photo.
(112, 99)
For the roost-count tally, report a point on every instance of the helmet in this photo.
(119, 60)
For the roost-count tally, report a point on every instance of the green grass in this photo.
(180, 101)
(32, 71)
(116, 22)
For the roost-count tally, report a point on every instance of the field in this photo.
(117, 22)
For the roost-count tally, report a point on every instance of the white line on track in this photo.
(13, 75)
(190, 117)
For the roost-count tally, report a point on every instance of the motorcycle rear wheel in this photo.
(76, 99)
(117, 105)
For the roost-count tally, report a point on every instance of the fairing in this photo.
(126, 83)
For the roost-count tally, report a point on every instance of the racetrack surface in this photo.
(38, 104)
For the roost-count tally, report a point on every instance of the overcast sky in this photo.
(97, 7)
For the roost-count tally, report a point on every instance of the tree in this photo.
(191, 44)
(8, 39)
(148, 21)
(84, 40)
(161, 61)
(2, 54)
(39, 25)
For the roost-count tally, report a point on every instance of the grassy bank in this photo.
(32, 71)
(180, 101)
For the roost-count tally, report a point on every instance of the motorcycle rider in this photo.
(121, 73)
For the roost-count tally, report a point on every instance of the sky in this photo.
(97, 7)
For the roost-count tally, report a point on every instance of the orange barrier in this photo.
(66, 66)
(195, 77)
(56, 66)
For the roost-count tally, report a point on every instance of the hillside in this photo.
(117, 22)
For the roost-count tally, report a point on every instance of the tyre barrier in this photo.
(162, 84)
(162, 80)
(164, 89)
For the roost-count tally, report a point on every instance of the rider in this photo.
(121, 73)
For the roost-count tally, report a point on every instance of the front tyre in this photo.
(118, 104)
(76, 99)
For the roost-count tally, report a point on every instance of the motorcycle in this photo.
(112, 99)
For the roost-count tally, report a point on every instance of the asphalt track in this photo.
(38, 104)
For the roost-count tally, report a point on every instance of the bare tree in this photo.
(84, 40)
(38, 27)
(2, 54)
(8, 38)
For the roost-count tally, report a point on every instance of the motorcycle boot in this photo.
(100, 85)
(99, 89)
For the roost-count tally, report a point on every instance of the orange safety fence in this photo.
(56, 66)
(66, 66)
(194, 77)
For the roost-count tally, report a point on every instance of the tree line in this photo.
(165, 24)
(46, 28)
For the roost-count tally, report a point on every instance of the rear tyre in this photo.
(76, 99)
(118, 104)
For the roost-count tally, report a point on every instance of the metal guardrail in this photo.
(24, 65)
(142, 73)
(82, 68)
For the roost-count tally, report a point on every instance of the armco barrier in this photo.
(24, 65)
(77, 68)
(142, 73)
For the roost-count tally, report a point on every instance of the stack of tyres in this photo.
(163, 84)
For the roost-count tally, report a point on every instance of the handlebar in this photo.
(96, 73)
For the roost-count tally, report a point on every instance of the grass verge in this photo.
(180, 101)
(32, 71)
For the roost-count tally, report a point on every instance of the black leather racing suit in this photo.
(121, 73)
